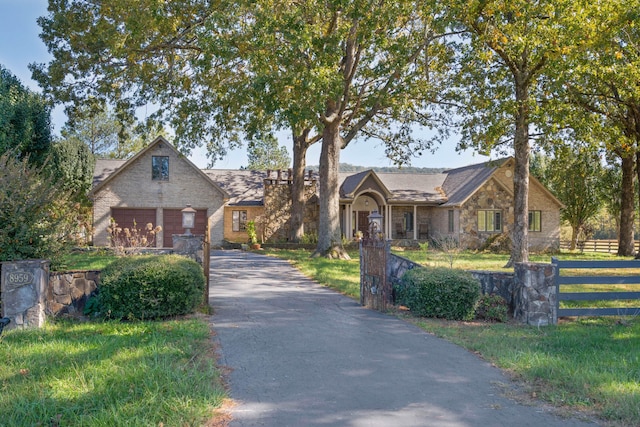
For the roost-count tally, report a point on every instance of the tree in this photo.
(265, 153)
(335, 71)
(36, 214)
(24, 120)
(506, 48)
(575, 177)
(600, 79)
(220, 70)
(71, 166)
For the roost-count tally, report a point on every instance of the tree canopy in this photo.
(25, 125)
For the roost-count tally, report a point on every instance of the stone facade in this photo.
(133, 187)
(492, 196)
(277, 209)
(67, 292)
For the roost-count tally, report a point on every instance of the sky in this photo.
(20, 45)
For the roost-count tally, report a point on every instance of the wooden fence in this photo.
(607, 246)
(632, 278)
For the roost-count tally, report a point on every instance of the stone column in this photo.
(189, 245)
(24, 288)
(535, 294)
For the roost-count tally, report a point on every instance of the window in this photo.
(535, 220)
(408, 221)
(451, 223)
(160, 168)
(489, 220)
(239, 221)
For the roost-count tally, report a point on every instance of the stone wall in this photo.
(67, 292)
(277, 210)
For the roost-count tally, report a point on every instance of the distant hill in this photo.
(346, 167)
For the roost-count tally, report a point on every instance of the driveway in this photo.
(303, 355)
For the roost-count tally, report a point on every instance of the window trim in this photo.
(535, 218)
(491, 220)
(157, 170)
(238, 223)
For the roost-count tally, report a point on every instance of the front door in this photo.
(363, 222)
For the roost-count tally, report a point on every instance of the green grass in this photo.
(86, 260)
(590, 365)
(586, 364)
(107, 374)
(469, 260)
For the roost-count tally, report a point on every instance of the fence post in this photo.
(535, 295)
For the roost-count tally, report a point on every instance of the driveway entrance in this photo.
(303, 355)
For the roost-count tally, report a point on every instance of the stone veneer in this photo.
(68, 292)
(277, 208)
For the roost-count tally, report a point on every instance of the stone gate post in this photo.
(535, 294)
(24, 290)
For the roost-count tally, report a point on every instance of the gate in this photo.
(375, 286)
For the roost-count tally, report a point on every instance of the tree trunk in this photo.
(574, 237)
(329, 233)
(638, 178)
(296, 223)
(522, 151)
(627, 211)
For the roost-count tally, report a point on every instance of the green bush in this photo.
(150, 287)
(493, 308)
(439, 292)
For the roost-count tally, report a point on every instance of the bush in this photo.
(439, 292)
(150, 287)
(493, 308)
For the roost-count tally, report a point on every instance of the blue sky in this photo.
(20, 46)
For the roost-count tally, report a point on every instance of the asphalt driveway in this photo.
(303, 355)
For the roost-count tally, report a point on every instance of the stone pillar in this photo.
(189, 245)
(535, 294)
(24, 288)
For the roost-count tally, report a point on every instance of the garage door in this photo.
(125, 218)
(173, 224)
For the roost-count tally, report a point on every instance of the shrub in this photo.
(439, 292)
(492, 307)
(149, 287)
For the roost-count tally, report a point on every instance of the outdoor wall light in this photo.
(188, 219)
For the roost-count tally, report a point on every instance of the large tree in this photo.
(506, 48)
(25, 124)
(337, 70)
(218, 70)
(602, 80)
(264, 153)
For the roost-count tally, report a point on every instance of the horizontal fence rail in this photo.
(604, 246)
(631, 278)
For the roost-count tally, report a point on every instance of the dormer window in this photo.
(160, 168)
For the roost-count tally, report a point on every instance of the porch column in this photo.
(349, 231)
(415, 222)
(389, 219)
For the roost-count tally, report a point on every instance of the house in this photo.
(469, 204)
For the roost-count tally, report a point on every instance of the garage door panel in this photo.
(134, 218)
(172, 219)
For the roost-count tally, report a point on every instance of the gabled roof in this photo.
(107, 170)
(462, 183)
(245, 187)
(352, 183)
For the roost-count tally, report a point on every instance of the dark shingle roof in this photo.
(463, 182)
(244, 186)
(104, 168)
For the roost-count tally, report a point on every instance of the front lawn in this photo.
(109, 374)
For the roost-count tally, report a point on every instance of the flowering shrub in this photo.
(134, 238)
